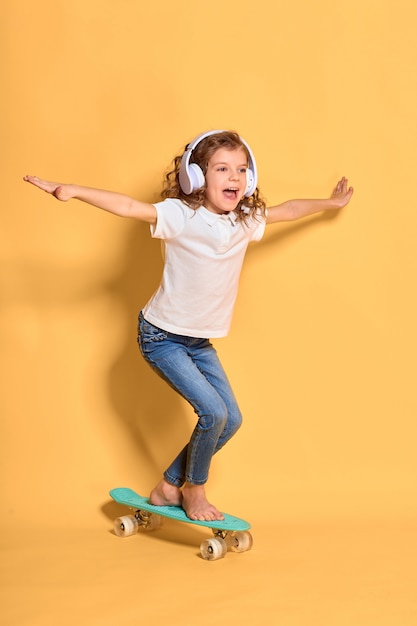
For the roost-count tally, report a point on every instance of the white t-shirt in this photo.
(204, 253)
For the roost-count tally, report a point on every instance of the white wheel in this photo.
(125, 526)
(213, 549)
(241, 541)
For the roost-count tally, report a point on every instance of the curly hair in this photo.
(202, 153)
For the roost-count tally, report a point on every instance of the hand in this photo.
(341, 194)
(60, 191)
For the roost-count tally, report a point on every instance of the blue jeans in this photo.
(191, 367)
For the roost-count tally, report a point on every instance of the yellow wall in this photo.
(322, 350)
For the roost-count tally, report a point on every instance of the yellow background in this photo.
(322, 349)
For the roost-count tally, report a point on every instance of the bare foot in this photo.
(196, 505)
(165, 494)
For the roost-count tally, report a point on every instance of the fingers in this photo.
(35, 181)
(344, 190)
(29, 179)
(342, 187)
(45, 185)
(341, 194)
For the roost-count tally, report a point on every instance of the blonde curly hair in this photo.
(202, 153)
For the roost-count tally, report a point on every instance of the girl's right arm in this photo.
(116, 203)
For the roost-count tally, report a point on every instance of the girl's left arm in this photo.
(295, 209)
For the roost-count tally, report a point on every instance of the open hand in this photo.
(56, 189)
(341, 194)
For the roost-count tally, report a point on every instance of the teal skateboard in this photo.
(229, 534)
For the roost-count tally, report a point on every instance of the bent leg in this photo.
(192, 368)
(209, 364)
(178, 367)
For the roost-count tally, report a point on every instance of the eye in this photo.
(221, 168)
(243, 170)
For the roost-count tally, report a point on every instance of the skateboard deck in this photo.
(230, 533)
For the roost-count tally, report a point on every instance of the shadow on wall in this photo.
(153, 414)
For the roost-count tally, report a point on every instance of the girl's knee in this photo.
(213, 415)
(213, 421)
(233, 423)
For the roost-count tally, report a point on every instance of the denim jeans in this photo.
(191, 367)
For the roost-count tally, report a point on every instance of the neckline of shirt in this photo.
(211, 218)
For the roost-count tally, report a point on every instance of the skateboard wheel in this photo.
(213, 549)
(241, 541)
(126, 526)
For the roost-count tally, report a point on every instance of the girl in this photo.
(212, 210)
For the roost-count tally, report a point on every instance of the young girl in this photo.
(212, 210)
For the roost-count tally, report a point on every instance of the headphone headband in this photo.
(191, 176)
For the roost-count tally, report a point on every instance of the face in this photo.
(226, 180)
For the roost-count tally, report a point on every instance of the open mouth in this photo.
(231, 193)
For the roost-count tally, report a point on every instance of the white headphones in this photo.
(191, 176)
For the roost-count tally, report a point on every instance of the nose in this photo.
(234, 175)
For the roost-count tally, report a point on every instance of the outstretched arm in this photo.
(295, 209)
(116, 203)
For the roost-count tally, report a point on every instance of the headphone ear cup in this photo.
(250, 183)
(196, 176)
(191, 176)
